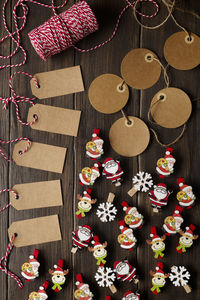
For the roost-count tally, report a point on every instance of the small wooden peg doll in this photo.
(131, 296)
(83, 290)
(58, 276)
(89, 175)
(186, 239)
(179, 276)
(41, 293)
(157, 243)
(165, 165)
(94, 148)
(81, 238)
(99, 251)
(112, 170)
(172, 224)
(133, 218)
(141, 182)
(126, 239)
(158, 278)
(185, 197)
(85, 203)
(159, 196)
(107, 211)
(29, 270)
(125, 271)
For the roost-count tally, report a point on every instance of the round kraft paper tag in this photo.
(129, 139)
(108, 93)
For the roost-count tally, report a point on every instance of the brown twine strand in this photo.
(126, 117)
(166, 77)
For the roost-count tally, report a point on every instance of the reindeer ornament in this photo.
(85, 203)
(157, 243)
(159, 278)
(58, 276)
(186, 239)
(99, 251)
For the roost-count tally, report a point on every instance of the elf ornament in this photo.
(133, 218)
(142, 181)
(107, 211)
(179, 276)
(105, 277)
(83, 290)
(186, 239)
(29, 270)
(172, 224)
(159, 196)
(185, 197)
(81, 238)
(99, 251)
(159, 278)
(85, 203)
(165, 165)
(157, 243)
(112, 170)
(40, 294)
(125, 272)
(89, 175)
(126, 239)
(58, 276)
(131, 296)
(94, 148)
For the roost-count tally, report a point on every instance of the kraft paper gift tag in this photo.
(40, 156)
(58, 83)
(37, 195)
(55, 119)
(35, 231)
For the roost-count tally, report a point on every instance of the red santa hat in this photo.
(177, 212)
(161, 185)
(183, 187)
(33, 258)
(86, 227)
(159, 269)
(95, 168)
(168, 154)
(154, 235)
(128, 209)
(123, 227)
(127, 294)
(79, 282)
(59, 268)
(42, 290)
(96, 242)
(189, 230)
(116, 264)
(95, 136)
(107, 160)
(87, 193)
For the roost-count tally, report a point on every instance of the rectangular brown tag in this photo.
(55, 119)
(40, 156)
(58, 83)
(37, 195)
(35, 231)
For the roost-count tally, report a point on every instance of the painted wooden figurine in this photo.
(41, 294)
(83, 290)
(94, 148)
(29, 270)
(99, 251)
(158, 278)
(89, 175)
(81, 238)
(159, 196)
(58, 276)
(105, 277)
(132, 218)
(186, 239)
(126, 239)
(112, 170)
(142, 182)
(185, 197)
(85, 203)
(172, 224)
(180, 276)
(157, 243)
(165, 165)
(107, 211)
(125, 271)
(131, 296)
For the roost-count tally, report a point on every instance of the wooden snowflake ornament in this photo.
(165, 165)
(179, 276)
(99, 251)
(186, 239)
(158, 278)
(142, 181)
(41, 294)
(126, 239)
(105, 277)
(131, 296)
(185, 197)
(83, 290)
(132, 218)
(159, 196)
(125, 271)
(172, 224)
(81, 238)
(157, 243)
(94, 148)
(58, 276)
(107, 211)
(112, 171)
(85, 203)
(30, 269)
(89, 175)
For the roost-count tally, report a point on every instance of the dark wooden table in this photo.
(105, 60)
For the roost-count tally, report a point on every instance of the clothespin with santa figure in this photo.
(41, 294)
(29, 270)
(125, 271)
(185, 197)
(85, 203)
(94, 148)
(99, 251)
(158, 278)
(133, 218)
(131, 296)
(112, 171)
(83, 290)
(172, 224)
(81, 238)
(186, 239)
(126, 239)
(89, 175)
(165, 165)
(159, 196)
(157, 243)
(58, 276)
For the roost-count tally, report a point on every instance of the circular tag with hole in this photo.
(139, 69)
(182, 51)
(171, 107)
(129, 139)
(108, 93)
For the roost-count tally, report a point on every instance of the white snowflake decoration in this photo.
(179, 276)
(106, 212)
(142, 181)
(105, 277)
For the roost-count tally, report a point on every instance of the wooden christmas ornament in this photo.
(186, 239)
(105, 277)
(41, 293)
(83, 290)
(126, 239)
(30, 269)
(85, 203)
(179, 276)
(89, 175)
(142, 181)
(112, 171)
(157, 243)
(99, 251)
(158, 278)
(159, 196)
(94, 148)
(131, 296)
(185, 197)
(125, 271)
(81, 238)
(133, 218)
(165, 165)
(107, 211)
(172, 224)
(58, 276)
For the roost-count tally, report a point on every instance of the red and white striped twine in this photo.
(5, 259)
(10, 191)
(14, 141)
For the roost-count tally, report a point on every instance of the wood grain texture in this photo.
(104, 60)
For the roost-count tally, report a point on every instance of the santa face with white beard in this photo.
(123, 268)
(160, 193)
(83, 234)
(131, 297)
(111, 167)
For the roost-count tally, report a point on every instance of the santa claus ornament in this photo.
(159, 196)
(85, 203)
(186, 239)
(83, 290)
(105, 277)
(132, 218)
(157, 243)
(112, 171)
(185, 197)
(126, 238)
(131, 296)
(179, 276)
(40, 294)
(142, 182)
(125, 271)
(158, 278)
(99, 251)
(107, 211)
(29, 270)
(172, 224)
(89, 175)
(58, 276)
(94, 148)
(81, 238)
(165, 165)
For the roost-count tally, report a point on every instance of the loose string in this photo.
(9, 204)
(126, 117)
(14, 141)
(166, 77)
(5, 260)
